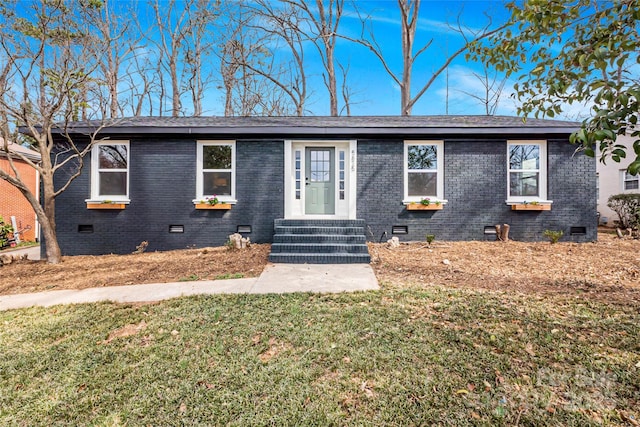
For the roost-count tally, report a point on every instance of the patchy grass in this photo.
(408, 356)
(229, 276)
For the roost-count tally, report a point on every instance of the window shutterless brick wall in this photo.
(162, 185)
(13, 203)
(475, 185)
(163, 179)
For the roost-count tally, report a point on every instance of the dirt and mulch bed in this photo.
(80, 272)
(606, 270)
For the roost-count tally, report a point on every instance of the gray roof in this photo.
(318, 126)
(19, 149)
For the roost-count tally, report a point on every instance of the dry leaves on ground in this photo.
(79, 272)
(608, 269)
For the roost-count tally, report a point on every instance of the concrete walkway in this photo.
(276, 278)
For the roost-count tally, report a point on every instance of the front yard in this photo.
(470, 341)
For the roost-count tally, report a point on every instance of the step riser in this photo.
(319, 238)
(304, 248)
(338, 231)
(320, 259)
(320, 223)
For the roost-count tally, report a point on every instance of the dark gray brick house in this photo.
(331, 182)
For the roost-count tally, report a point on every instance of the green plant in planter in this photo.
(211, 200)
(425, 201)
(553, 235)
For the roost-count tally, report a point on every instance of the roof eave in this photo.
(323, 131)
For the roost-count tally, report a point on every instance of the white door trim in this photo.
(345, 208)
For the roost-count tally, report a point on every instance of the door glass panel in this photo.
(320, 166)
(298, 173)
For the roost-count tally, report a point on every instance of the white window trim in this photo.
(623, 180)
(542, 170)
(199, 171)
(95, 173)
(439, 197)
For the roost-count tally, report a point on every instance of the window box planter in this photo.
(530, 207)
(421, 207)
(106, 205)
(223, 206)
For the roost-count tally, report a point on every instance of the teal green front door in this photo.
(320, 181)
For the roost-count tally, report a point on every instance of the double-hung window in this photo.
(216, 170)
(527, 171)
(423, 171)
(630, 182)
(110, 171)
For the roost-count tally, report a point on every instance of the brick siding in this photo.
(163, 180)
(162, 186)
(475, 185)
(13, 203)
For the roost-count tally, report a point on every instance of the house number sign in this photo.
(353, 160)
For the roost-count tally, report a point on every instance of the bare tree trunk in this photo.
(47, 219)
(409, 11)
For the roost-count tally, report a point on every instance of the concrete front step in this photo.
(319, 248)
(299, 241)
(314, 258)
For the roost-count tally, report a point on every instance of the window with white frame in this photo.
(110, 170)
(630, 182)
(216, 170)
(423, 170)
(527, 170)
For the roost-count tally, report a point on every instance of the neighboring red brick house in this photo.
(12, 202)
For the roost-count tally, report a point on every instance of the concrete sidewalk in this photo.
(276, 278)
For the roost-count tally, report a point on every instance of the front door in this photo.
(320, 181)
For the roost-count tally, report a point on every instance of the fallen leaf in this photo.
(125, 331)
(256, 339)
(529, 349)
(183, 408)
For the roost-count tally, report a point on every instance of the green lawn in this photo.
(395, 357)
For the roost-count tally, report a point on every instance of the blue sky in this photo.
(379, 95)
(375, 93)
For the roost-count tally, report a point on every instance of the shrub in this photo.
(553, 235)
(5, 230)
(627, 207)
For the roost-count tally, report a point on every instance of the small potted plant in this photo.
(212, 202)
(425, 204)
